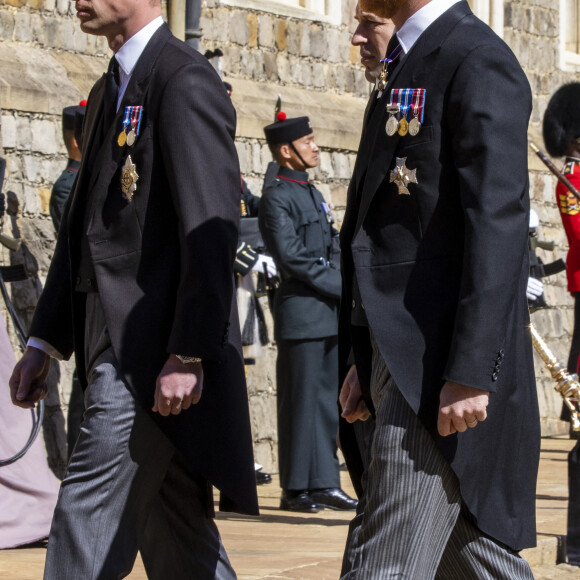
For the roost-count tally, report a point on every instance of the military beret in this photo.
(561, 124)
(79, 118)
(68, 116)
(286, 130)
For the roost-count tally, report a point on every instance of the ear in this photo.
(285, 152)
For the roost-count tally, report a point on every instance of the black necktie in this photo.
(111, 93)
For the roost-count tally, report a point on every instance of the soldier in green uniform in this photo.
(296, 225)
(63, 185)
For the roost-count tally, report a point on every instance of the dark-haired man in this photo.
(296, 224)
(434, 311)
(141, 288)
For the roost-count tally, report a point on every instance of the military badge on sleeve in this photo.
(129, 178)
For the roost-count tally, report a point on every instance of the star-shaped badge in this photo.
(403, 176)
(129, 178)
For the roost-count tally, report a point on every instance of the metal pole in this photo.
(192, 23)
(176, 17)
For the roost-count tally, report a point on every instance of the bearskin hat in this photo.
(562, 119)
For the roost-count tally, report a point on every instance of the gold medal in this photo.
(403, 127)
(392, 123)
(414, 126)
(129, 179)
(131, 138)
(122, 139)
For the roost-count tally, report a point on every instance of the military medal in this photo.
(129, 178)
(402, 176)
(382, 84)
(392, 121)
(414, 125)
(418, 109)
(131, 137)
(403, 127)
(131, 126)
(384, 76)
(122, 138)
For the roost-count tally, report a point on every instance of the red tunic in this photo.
(569, 208)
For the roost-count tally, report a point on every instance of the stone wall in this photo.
(46, 63)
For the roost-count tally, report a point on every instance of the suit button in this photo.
(494, 377)
(501, 353)
(496, 369)
(353, 304)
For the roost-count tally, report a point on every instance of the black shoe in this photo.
(298, 501)
(262, 478)
(333, 498)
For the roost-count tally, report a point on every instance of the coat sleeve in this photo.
(487, 116)
(196, 133)
(288, 251)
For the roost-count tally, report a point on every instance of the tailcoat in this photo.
(442, 272)
(163, 260)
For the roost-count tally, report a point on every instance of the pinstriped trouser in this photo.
(410, 522)
(128, 489)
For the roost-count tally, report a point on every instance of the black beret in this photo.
(287, 130)
(68, 118)
(561, 125)
(79, 118)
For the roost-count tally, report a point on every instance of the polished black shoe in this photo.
(298, 501)
(262, 478)
(333, 498)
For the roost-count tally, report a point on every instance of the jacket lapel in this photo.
(378, 149)
(110, 154)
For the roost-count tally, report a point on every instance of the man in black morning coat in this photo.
(434, 247)
(141, 289)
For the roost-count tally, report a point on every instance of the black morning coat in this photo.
(443, 271)
(164, 260)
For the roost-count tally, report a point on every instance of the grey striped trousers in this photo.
(410, 522)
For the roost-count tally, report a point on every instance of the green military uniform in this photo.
(61, 190)
(297, 230)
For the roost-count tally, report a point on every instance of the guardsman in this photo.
(63, 185)
(561, 130)
(296, 224)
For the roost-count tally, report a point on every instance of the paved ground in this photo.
(282, 545)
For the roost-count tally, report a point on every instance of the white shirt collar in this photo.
(420, 21)
(128, 55)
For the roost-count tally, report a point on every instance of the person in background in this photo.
(561, 130)
(141, 290)
(297, 227)
(434, 313)
(63, 185)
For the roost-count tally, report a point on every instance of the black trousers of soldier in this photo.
(307, 378)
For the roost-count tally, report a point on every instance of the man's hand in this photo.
(178, 386)
(460, 408)
(28, 380)
(353, 406)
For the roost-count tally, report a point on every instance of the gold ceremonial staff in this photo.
(561, 177)
(567, 385)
